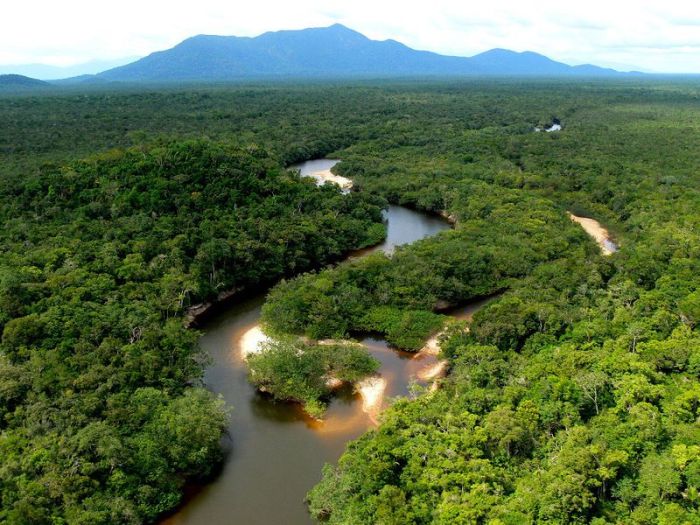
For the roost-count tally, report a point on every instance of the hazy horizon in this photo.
(626, 35)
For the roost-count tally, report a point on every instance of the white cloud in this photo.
(662, 36)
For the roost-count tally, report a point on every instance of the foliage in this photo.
(573, 398)
(406, 329)
(102, 414)
(396, 295)
(291, 370)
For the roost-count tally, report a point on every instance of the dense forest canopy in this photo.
(573, 398)
(101, 416)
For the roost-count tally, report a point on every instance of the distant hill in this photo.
(503, 61)
(20, 82)
(334, 51)
(82, 80)
(47, 72)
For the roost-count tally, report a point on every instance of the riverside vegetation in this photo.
(102, 418)
(573, 398)
(291, 370)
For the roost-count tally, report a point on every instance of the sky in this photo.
(659, 35)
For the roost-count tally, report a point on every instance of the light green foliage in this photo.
(408, 329)
(292, 370)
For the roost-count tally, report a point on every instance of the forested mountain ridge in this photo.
(11, 81)
(334, 51)
(573, 398)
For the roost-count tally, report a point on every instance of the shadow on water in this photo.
(465, 312)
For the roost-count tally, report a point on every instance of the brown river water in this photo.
(274, 451)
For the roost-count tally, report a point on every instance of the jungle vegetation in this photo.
(290, 369)
(102, 413)
(573, 398)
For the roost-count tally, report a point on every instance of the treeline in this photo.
(102, 415)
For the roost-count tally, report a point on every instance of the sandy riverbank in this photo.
(436, 370)
(432, 345)
(326, 176)
(595, 230)
(433, 372)
(252, 341)
(372, 391)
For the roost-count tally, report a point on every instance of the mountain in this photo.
(334, 51)
(503, 61)
(21, 82)
(82, 80)
(47, 72)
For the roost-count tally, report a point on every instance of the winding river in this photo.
(275, 453)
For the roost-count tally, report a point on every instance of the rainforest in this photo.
(133, 217)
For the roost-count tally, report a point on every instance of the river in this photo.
(275, 452)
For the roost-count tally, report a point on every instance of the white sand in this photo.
(252, 341)
(372, 390)
(432, 372)
(326, 176)
(435, 370)
(432, 345)
(553, 127)
(595, 230)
